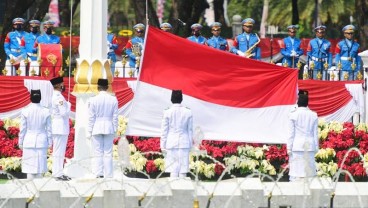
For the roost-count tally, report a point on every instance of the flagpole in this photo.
(147, 20)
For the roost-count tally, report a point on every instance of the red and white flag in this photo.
(232, 98)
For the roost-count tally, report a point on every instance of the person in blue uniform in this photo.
(246, 44)
(216, 41)
(165, 26)
(112, 45)
(30, 38)
(290, 48)
(136, 41)
(48, 37)
(196, 34)
(346, 51)
(319, 54)
(15, 54)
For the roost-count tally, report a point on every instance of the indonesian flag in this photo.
(232, 98)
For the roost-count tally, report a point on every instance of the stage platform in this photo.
(122, 191)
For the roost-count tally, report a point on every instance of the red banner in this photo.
(51, 59)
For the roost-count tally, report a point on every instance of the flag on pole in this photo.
(232, 98)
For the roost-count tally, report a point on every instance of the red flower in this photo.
(219, 169)
(151, 167)
(2, 124)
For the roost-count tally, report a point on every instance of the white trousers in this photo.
(58, 154)
(177, 161)
(102, 155)
(11, 70)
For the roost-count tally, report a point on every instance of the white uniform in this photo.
(60, 130)
(102, 125)
(35, 137)
(177, 138)
(302, 142)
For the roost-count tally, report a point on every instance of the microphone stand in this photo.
(271, 49)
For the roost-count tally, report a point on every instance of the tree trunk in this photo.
(189, 11)
(140, 12)
(295, 11)
(219, 11)
(64, 11)
(17, 8)
(361, 15)
(264, 19)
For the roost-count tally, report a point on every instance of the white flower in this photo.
(160, 163)
(209, 170)
(132, 148)
(122, 124)
(336, 126)
(138, 161)
(11, 164)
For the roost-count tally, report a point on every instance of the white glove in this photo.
(11, 56)
(289, 153)
(20, 146)
(240, 53)
(293, 54)
(164, 151)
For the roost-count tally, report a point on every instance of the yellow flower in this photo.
(160, 163)
(336, 126)
(122, 124)
(138, 161)
(361, 127)
(209, 170)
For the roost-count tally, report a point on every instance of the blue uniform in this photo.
(134, 41)
(12, 44)
(243, 42)
(288, 46)
(47, 39)
(218, 43)
(347, 53)
(319, 51)
(112, 46)
(200, 39)
(28, 43)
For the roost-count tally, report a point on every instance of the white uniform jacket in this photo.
(103, 114)
(60, 114)
(303, 130)
(177, 128)
(35, 127)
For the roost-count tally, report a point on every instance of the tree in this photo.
(140, 12)
(64, 10)
(17, 8)
(361, 15)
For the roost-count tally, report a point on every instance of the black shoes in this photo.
(63, 178)
(100, 176)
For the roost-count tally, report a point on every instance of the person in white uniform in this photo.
(302, 141)
(102, 127)
(35, 137)
(177, 136)
(60, 128)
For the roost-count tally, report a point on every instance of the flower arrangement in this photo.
(343, 148)
(11, 155)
